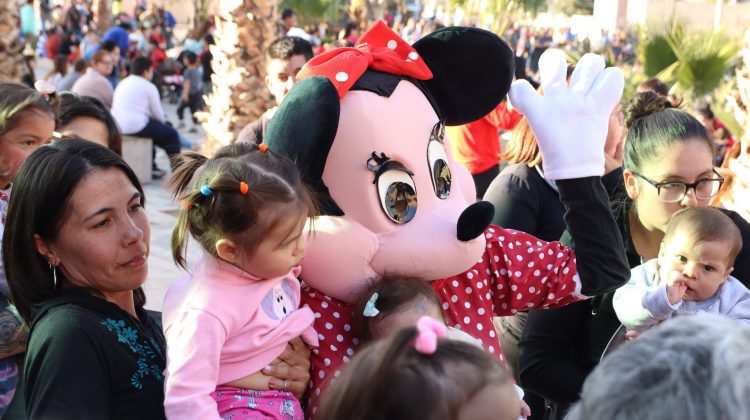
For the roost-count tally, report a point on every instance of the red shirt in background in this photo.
(52, 45)
(158, 38)
(157, 57)
(717, 125)
(476, 145)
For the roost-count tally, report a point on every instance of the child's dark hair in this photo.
(71, 106)
(654, 124)
(654, 85)
(109, 46)
(705, 224)
(391, 380)
(395, 295)
(191, 57)
(140, 65)
(214, 206)
(18, 100)
(285, 47)
(705, 111)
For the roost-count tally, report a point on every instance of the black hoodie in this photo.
(89, 359)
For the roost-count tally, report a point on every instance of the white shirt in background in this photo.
(136, 100)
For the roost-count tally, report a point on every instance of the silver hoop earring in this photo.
(54, 275)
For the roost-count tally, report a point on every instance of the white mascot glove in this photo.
(570, 122)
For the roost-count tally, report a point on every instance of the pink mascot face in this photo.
(388, 169)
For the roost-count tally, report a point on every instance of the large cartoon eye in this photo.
(438, 162)
(398, 195)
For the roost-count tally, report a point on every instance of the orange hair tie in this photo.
(243, 188)
(263, 148)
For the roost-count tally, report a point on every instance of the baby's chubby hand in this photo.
(676, 287)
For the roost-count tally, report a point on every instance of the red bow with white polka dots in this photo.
(379, 49)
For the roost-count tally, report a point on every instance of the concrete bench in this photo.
(137, 153)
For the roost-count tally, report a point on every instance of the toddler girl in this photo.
(247, 208)
(26, 122)
(395, 303)
(418, 374)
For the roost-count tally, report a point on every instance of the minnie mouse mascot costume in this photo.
(366, 129)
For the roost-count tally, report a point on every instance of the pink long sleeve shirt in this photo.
(223, 324)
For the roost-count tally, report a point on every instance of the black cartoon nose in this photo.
(474, 220)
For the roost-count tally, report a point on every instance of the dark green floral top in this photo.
(89, 359)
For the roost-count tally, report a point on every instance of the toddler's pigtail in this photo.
(179, 182)
(189, 164)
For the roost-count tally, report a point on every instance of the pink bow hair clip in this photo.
(428, 332)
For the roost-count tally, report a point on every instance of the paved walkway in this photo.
(162, 212)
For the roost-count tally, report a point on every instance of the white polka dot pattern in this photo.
(543, 276)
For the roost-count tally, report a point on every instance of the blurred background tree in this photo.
(244, 29)
(11, 46)
(572, 7)
(695, 63)
(499, 13)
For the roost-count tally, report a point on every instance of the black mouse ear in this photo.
(472, 71)
(303, 130)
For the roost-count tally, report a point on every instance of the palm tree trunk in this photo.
(243, 31)
(11, 68)
(103, 15)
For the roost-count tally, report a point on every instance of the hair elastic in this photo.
(263, 148)
(370, 309)
(428, 331)
(243, 188)
(205, 190)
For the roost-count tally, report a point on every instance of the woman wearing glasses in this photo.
(668, 165)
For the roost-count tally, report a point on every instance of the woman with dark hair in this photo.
(526, 201)
(76, 249)
(87, 118)
(668, 166)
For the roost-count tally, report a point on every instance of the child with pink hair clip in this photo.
(420, 373)
(395, 303)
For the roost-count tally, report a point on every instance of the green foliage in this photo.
(572, 7)
(497, 8)
(500, 12)
(654, 50)
(702, 61)
(694, 62)
(311, 11)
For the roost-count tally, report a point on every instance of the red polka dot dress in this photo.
(517, 272)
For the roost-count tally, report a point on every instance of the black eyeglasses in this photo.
(674, 191)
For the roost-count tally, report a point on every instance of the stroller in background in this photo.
(171, 80)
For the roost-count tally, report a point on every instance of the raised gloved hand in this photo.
(570, 121)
